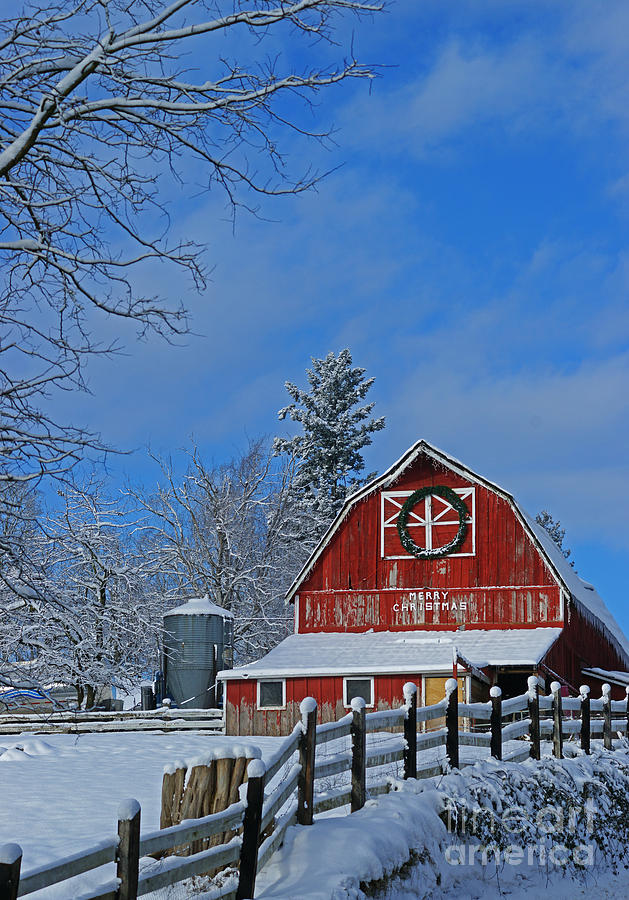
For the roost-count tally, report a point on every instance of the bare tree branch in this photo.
(99, 108)
(227, 532)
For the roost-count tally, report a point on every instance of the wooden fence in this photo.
(84, 721)
(255, 828)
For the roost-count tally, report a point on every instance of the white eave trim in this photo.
(603, 675)
(347, 671)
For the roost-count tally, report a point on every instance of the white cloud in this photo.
(471, 87)
(553, 68)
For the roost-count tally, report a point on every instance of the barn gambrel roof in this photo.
(575, 590)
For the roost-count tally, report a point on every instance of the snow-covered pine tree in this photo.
(555, 531)
(336, 427)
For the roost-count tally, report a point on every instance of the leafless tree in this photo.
(105, 105)
(227, 531)
(99, 107)
(91, 620)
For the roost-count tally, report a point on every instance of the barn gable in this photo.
(361, 548)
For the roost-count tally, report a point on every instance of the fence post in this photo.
(496, 722)
(584, 693)
(307, 744)
(256, 772)
(359, 754)
(128, 853)
(10, 863)
(452, 723)
(533, 702)
(557, 720)
(410, 730)
(607, 717)
(627, 693)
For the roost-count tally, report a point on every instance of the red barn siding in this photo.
(581, 645)
(396, 610)
(243, 716)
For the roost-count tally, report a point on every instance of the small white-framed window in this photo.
(272, 693)
(357, 686)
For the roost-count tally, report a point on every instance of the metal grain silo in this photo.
(198, 639)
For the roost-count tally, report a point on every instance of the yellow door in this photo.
(435, 691)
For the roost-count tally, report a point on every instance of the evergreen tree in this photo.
(336, 426)
(555, 531)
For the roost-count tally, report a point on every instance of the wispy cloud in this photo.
(549, 69)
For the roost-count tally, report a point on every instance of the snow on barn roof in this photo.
(621, 678)
(200, 606)
(390, 652)
(585, 597)
(589, 602)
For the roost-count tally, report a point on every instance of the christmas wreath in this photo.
(402, 522)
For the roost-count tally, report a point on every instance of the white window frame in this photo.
(266, 681)
(359, 678)
(397, 498)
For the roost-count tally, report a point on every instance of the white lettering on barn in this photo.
(429, 600)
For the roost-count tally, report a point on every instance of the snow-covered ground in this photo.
(556, 841)
(60, 793)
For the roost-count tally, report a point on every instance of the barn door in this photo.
(434, 691)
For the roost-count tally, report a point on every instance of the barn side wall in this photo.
(242, 717)
(582, 645)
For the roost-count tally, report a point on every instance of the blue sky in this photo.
(471, 250)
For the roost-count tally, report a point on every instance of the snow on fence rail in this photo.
(81, 721)
(270, 808)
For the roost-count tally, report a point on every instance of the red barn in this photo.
(428, 569)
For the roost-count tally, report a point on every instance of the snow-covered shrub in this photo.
(575, 804)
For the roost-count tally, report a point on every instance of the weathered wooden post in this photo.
(495, 722)
(607, 717)
(533, 703)
(359, 754)
(627, 693)
(410, 730)
(452, 723)
(10, 863)
(557, 720)
(224, 768)
(173, 786)
(256, 772)
(128, 853)
(584, 694)
(307, 744)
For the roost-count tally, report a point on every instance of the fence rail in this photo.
(163, 719)
(254, 828)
